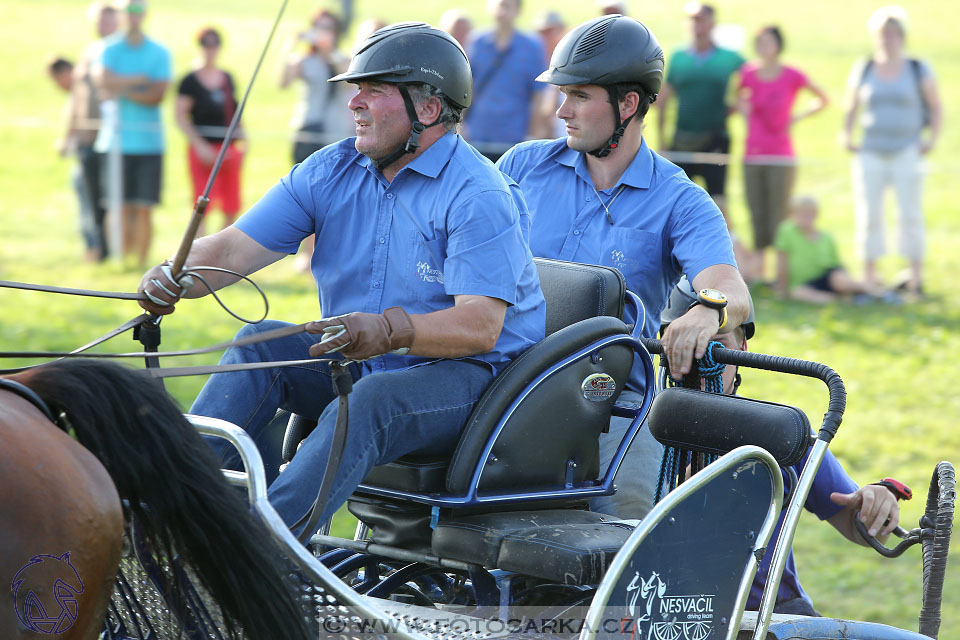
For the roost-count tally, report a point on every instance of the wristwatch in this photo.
(899, 490)
(715, 300)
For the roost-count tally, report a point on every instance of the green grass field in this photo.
(898, 363)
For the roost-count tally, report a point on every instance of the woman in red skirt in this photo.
(206, 103)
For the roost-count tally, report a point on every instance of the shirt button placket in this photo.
(379, 272)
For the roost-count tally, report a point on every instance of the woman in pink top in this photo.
(768, 90)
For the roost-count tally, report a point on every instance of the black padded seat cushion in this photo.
(417, 474)
(575, 292)
(566, 554)
(717, 423)
(394, 523)
(478, 538)
(556, 416)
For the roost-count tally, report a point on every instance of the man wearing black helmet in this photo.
(602, 196)
(421, 263)
(833, 497)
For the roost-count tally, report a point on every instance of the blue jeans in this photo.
(422, 410)
(637, 477)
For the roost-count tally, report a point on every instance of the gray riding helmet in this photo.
(414, 52)
(683, 295)
(606, 51)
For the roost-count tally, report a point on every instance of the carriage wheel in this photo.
(939, 518)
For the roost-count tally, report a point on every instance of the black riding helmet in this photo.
(407, 53)
(606, 51)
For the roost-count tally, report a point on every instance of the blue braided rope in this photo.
(711, 372)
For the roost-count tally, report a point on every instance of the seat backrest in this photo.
(715, 423)
(556, 424)
(557, 420)
(575, 291)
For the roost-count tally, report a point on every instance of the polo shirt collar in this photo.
(432, 161)
(429, 163)
(638, 174)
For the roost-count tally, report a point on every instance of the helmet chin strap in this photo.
(416, 128)
(619, 127)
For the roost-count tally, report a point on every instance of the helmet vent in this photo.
(592, 42)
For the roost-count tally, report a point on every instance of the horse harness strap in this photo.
(31, 396)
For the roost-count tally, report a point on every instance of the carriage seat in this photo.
(564, 546)
(571, 547)
(574, 292)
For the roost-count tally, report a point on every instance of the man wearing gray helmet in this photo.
(421, 262)
(602, 196)
(833, 497)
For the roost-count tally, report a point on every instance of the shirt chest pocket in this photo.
(424, 268)
(635, 253)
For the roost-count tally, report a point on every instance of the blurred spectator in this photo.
(321, 117)
(808, 266)
(551, 28)
(82, 124)
(699, 75)
(505, 66)
(768, 90)
(458, 24)
(60, 71)
(365, 29)
(206, 102)
(608, 7)
(899, 100)
(135, 70)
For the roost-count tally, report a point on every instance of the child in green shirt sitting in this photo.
(808, 266)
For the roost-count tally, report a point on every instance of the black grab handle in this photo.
(782, 364)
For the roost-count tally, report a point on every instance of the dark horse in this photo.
(62, 507)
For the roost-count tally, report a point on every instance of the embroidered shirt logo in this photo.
(426, 274)
(617, 258)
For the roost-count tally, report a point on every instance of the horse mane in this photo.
(170, 479)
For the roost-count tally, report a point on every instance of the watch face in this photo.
(713, 297)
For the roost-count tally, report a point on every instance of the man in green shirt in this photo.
(699, 76)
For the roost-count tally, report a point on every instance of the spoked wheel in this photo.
(937, 524)
(427, 586)
(420, 584)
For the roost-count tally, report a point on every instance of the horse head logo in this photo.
(46, 590)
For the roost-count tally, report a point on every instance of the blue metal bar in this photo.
(637, 303)
(582, 490)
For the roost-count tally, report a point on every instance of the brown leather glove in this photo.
(360, 336)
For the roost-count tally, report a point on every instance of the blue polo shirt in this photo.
(504, 87)
(664, 225)
(830, 477)
(449, 224)
(141, 130)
